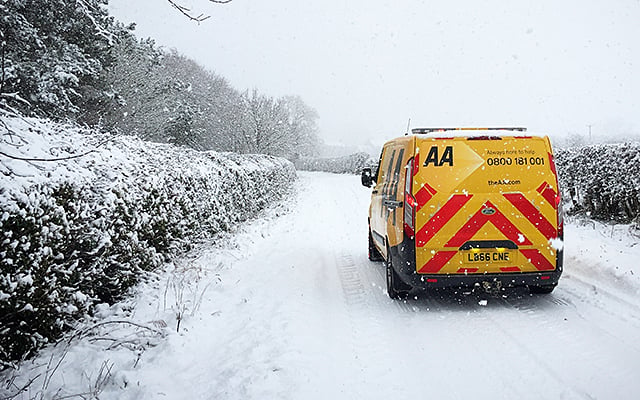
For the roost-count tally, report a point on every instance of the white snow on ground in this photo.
(290, 308)
(607, 256)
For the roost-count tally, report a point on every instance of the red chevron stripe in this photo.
(552, 163)
(424, 195)
(437, 262)
(548, 193)
(444, 215)
(532, 214)
(538, 260)
(479, 220)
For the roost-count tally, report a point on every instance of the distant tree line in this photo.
(350, 164)
(70, 61)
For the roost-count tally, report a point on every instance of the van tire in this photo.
(374, 254)
(541, 289)
(396, 289)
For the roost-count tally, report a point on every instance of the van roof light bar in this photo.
(417, 131)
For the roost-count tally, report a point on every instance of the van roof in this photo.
(417, 131)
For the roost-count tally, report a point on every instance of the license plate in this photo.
(488, 257)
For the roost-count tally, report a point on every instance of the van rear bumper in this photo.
(547, 278)
(407, 272)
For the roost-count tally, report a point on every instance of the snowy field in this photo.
(291, 308)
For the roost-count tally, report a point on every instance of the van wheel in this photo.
(396, 289)
(541, 289)
(374, 254)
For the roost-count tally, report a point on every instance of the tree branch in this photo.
(2, 44)
(2, 153)
(187, 12)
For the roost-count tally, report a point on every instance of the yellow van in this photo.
(466, 207)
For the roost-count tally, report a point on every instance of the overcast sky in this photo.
(367, 66)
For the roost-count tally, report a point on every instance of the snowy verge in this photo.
(83, 227)
(103, 356)
(604, 256)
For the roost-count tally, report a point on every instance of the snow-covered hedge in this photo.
(602, 181)
(81, 231)
(351, 164)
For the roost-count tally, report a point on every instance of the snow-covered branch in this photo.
(189, 14)
(100, 30)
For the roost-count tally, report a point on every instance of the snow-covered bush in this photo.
(82, 230)
(53, 55)
(602, 181)
(351, 164)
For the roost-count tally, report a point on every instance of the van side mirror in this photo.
(366, 178)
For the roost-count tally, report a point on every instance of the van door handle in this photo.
(392, 204)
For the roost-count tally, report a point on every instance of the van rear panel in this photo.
(485, 205)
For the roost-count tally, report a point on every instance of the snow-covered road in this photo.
(297, 311)
(305, 316)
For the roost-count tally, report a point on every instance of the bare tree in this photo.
(302, 127)
(192, 16)
(283, 127)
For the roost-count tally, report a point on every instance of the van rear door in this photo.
(485, 205)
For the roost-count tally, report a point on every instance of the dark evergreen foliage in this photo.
(54, 53)
(602, 181)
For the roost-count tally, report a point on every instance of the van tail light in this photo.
(560, 210)
(558, 199)
(409, 201)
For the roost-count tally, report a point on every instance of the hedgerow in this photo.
(602, 181)
(82, 232)
(351, 164)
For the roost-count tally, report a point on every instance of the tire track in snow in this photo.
(597, 291)
(611, 318)
(483, 319)
(484, 323)
(517, 318)
(557, 320)
(368, 331)
(352, 287)
(393, 329)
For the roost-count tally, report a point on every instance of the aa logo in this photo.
(437, 160)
